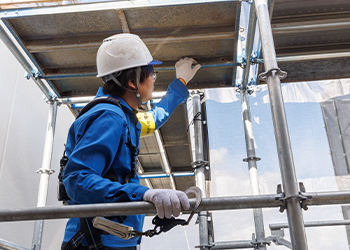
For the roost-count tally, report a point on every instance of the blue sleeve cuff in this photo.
(177, 86)
(136, 191)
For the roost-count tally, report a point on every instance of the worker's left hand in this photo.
(184, 69)
(167, 201)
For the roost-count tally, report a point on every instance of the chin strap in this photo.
(114, 76)
(138, 77)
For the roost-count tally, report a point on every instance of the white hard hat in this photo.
(120, 52)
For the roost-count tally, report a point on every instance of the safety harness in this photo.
(92, 228)
(88, 231)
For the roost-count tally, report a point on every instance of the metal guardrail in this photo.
(143, 207)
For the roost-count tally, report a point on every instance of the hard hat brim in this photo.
(155, 62)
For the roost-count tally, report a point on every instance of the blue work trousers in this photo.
(106, 248)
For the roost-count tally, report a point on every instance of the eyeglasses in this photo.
(154, 74)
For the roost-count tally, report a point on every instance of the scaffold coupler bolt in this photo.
(303, 199)
(249, 89)
(258, 244)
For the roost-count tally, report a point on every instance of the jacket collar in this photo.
(122, 102)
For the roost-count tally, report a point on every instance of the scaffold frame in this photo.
(292, 197)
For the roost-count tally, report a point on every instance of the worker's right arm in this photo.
(177, 92)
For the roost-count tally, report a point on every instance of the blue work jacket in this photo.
(96, 143)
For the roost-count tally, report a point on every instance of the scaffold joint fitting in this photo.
(254, 59)
(243, 63)
(260, 243)
(201, 94)
(303, 199)
(36, 75)
(272, 72)
(45, 171)
(199, 164)
(249, 89)
(252, 158)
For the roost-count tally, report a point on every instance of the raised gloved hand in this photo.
(184, 69)
(167, 201)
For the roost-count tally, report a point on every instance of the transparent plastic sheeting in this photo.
(311, 154)
(317, 91)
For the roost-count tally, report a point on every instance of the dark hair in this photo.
(111, 88)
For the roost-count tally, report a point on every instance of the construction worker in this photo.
(103, 143)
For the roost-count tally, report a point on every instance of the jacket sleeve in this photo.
(97, 142)
(159, 114)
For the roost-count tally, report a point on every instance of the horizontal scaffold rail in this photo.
(142, 207)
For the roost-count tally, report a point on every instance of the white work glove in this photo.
(184, 70)
(167, 201)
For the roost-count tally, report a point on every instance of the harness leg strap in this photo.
(91, 234)
(74, 242)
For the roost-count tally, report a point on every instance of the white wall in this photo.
(23, 123)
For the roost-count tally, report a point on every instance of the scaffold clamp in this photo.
(36, 75)
(303, 199)
(201, 93)
(257, 243)
(272, 72)
(198, 164)
(252, 158)
(249, 89)
(243, 63)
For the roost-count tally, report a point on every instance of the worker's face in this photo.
(147, 86)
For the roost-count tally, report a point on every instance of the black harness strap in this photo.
(91, 234)
(98, 100)
(88, 231)
(74, 242)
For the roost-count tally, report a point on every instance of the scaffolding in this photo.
(291, 196)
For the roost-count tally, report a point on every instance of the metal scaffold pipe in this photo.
(297, 58)
(253, 171)
(289, 181)
(250, 41)
(143, 207)
(233, 245)
(45, 172)
(200, 170)
(10, 246)
(313, 224)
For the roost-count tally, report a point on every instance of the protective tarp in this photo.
(311, 152)
(317, 91)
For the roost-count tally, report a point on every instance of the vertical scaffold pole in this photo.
(45, 172)
(200, 170)
(253, 171)
(272, 77)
